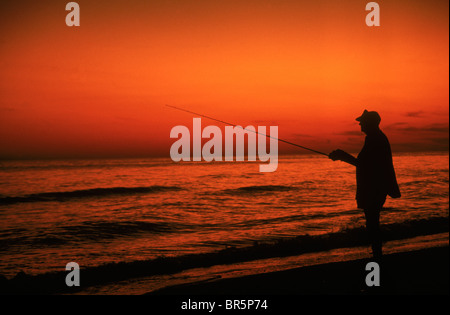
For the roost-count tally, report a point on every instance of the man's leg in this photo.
(373, 229)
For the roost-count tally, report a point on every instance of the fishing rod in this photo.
(234, 125)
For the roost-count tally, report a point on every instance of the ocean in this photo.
(129, 218)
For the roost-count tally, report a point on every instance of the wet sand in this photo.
(418, 272)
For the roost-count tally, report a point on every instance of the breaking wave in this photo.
(86, 231)
(86, 193)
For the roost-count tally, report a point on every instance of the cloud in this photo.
(441, 141)
(405, 136)
(431, 137)
(431, 128)
(395, 126)
(416, 114)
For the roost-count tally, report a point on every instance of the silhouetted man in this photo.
(375, 175)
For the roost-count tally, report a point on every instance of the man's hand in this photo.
(338, 155)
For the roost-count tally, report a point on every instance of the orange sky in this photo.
(309, 67)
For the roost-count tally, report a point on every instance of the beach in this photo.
(417, 272)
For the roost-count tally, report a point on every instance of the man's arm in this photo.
(339, 155)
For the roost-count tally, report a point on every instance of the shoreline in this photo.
(316, 273)
(422, 271)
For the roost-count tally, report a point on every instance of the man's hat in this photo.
(369, 117)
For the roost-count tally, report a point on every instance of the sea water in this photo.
(99, 212)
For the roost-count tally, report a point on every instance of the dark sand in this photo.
(417, 272)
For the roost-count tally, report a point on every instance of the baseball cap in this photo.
(369, 117)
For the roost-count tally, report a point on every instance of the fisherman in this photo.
(375, 175)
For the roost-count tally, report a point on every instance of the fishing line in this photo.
(234, 125)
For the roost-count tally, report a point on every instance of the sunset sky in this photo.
(308, 67)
